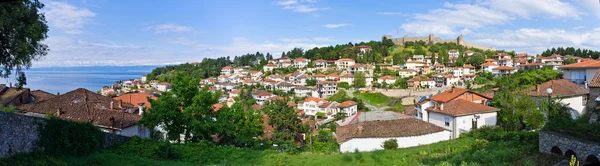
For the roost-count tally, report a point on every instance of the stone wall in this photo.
(19, 134)
(565, 145)
(431, 39)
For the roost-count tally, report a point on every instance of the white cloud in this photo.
(537, 40)
(597, 29)
(241, 46)
(393, 13)
(425, 28)
(591, 6)
(578, 28)
(67, 17)
(303, 6)
(335, 25)
(528, 8)
(164, 28)
(66, 51)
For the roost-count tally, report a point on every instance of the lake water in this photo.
(65, 79)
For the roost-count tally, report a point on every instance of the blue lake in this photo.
(65, 79)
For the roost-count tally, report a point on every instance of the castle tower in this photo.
(431, 39)
(404, 39)
(460, 40)
(386, 37)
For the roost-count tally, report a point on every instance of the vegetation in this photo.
(342, 96)
(61, 137)
(584, 53)
(375, 99)
(360, 80)
(344, 85)
(486, 146)
(286, 125)
(23, 30)
(390, 144)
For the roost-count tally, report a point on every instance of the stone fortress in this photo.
(431, 39)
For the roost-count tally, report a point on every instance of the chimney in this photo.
(112, 103)
(537, 87)
(441, 106)
(141, 108)
(59, 112)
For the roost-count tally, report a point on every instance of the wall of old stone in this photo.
(582, 148)
(19, 134)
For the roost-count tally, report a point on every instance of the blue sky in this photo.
(103, 32)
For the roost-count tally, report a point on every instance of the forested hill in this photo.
(381, 50)
(584, 53)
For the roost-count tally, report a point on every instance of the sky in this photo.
(122, 33)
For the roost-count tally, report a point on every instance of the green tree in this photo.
(344, 85)
(360, 80)
(238, 126)
(476, 59)
(311, 82)
(203, 124)
(569, 61)
(22, 80)
(285, 122)
(22, 30)
(184, 87)
(166, 113)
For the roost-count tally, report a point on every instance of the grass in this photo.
(469, 150)
(398, 107)
(375, 99)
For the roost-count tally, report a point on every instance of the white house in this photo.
(154, 83)
(488, 66)
(284, 86)
(580, 72)
(320, 64)
(300, 62)
(226, 70)
(457, 110)
(565, 91)
(326, 88)
(427, 82)
(414, 65)
(223, 78)
(370, 135)
(349, 78)
(269, 67)
(467, 53)
(311, 105)
(387, 79)
(344, 63)
(457, 71)
(143, 79)
(357, 68)
(503, 71)
(163, 87)
(453, 53)
(261, 96)
(348, 108)
(303, 91)
(407, 72)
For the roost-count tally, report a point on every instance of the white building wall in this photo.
(135, 130)
(372, 144)
(463, 123)
(575, 103)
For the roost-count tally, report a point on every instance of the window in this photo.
(446, 121)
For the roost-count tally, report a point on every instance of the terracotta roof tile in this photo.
(386, 129)
(41, 95)
(136, 98)
(595, 82)
(582, 65)
(503, 68)
(453, 93)
(347, 104)
(489, 64)
(560, 88)
(314, 99)
(410, 111)
(462, 107)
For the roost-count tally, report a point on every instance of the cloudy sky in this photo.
(109, 32)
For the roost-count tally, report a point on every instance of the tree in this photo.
(569, 61)
(344, 85)
(22, 30)
(311, 82)
(285, 122)
(360, 80)
(476, 59)
(238, 126)
(167, 115)
(185, 88)
(21, 80)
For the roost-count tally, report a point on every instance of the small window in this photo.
(446, 121)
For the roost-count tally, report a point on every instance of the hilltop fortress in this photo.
(431, 39)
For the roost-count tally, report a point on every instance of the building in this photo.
(326, 88)
(344, 63)
(226, 70)
(564, 91)
(357, 68)
(348, 108)
(320, 64)
(311, 105)
(40, 95)
(407, 73)
(300, 62)
(163, 87)
(535, 65)
(458, 110)
(453, 53)
(144, 78)
(364, 49)
(467, 53)
(269, 67)
(137, 99)
(349, 78)
(303, 91)
(489, 66)
(387, 79)
(370, 135)
(13, 96)
(261, 96)
(81, 105)
(582, 72)
(427, 82)
(503, 71)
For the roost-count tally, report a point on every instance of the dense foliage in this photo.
(286, 125)
(584, 53)
(390, 144)
(70, 138)
(22, 30)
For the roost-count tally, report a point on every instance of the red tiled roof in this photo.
(410, 111)
(271, 65)
(582, 65)
(41, 95)
(452, 94)
(468, 66)
(489, 64)
(595, 82)
(314, 99)
(320, 60)
(504, 68)
(560, 88)
(347, 104)
(136, 98)
(386, 129)
(462, 107)
(346, 59)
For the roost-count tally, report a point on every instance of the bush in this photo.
(390, 144)
(70, 138)
(344, 85)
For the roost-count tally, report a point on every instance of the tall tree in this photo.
(22, 30)
(238, 126)
(167, 115)
(185, 88)
(476, 59)
(360, 80)
(285, 121)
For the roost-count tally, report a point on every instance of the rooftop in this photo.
(462, 107)
(582, 65)
(386, 129)
(560, 88)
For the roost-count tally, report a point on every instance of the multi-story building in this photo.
(326, 88)
(503, 71)
(300, 62)
(344, 63)
(261, 96)
(581, 73)
(320, 64)
(407, 73)
(453, 53)
(357, 68)
(226, 70)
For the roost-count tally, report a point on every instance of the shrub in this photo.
(70, 138)
(390, 144)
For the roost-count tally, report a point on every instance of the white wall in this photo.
(371, 144)
(135, 130)
(575, 103)
(463, 123)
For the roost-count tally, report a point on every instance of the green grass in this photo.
(398, 107)
(375, 99)
(501, 149)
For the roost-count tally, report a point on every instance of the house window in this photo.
(446, 121)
